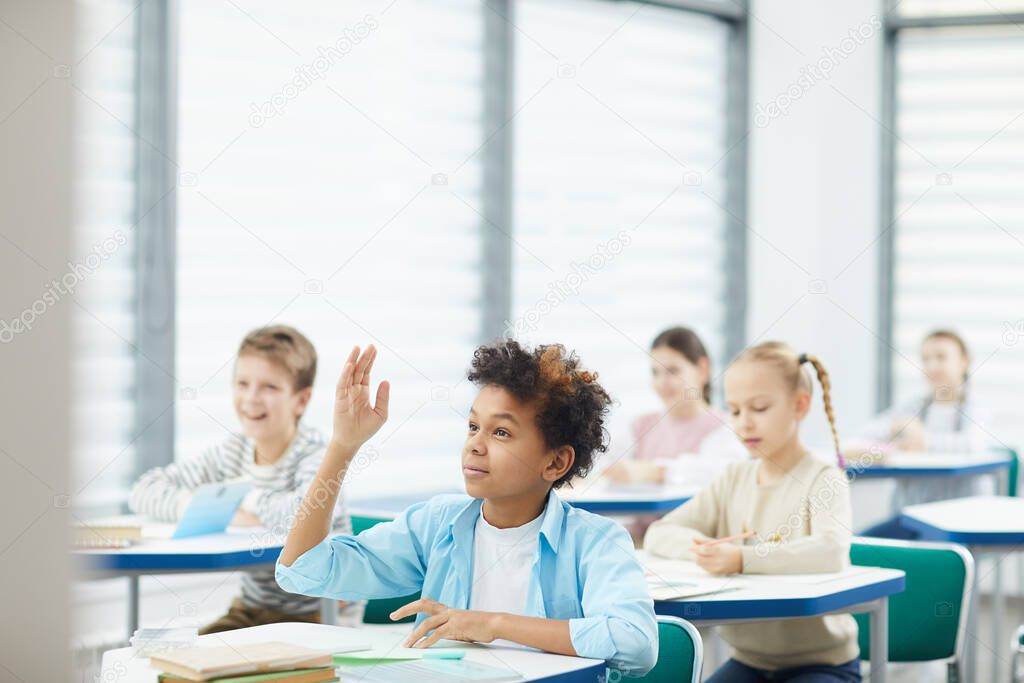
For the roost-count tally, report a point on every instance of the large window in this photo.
(417, 174)
(958, 159)
(320, 155)
(619, 183)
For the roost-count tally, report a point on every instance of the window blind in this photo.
(959, 240)
(329, 182)
(619, 183)
(103, 321)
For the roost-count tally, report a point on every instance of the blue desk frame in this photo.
(119, 563)
(873, 598)
(883, 471)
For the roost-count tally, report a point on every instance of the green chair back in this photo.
(378, 611)
(1013, 475)
(680, 653)
(927, 620)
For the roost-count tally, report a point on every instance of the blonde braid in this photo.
(826, 395)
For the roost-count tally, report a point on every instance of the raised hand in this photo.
(355, 419)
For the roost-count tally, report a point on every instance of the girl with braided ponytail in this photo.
(791, 510)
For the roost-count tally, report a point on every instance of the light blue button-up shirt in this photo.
(585, 570)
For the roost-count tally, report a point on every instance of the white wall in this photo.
(814, 195)
(813, 202)
(35, 244)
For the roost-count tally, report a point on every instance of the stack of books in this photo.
(272, 662)
(113, 533)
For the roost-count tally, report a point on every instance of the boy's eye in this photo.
(473, 427)
(501, 432)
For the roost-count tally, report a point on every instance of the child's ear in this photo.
(304, 396)
(803, 404)
(561, 462)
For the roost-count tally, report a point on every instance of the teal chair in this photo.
(680, 654)
(1013, 474)
(1014, 488)
(927, 622)
(378, 611)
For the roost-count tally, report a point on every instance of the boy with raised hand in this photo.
(511, 561)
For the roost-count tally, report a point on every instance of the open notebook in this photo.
(677, 580)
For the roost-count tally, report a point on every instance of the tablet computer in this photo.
(212, 508)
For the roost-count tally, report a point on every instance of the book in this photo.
(205, 664)
(321, 675)
(106, 535)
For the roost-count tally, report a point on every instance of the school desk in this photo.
(752, 598)
(987, 525)
(125, 666)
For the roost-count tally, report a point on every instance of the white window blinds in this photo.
(102, 269)
(959, 250)
(321, 148)
(619, 187)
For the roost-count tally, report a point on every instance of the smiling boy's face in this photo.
(505, 455)
(265, 400)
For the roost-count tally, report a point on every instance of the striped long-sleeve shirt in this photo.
(162, 492)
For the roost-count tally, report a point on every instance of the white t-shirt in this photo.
(502, 562)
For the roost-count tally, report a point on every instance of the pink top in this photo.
(657, 435)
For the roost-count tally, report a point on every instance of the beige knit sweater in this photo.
(802, 526)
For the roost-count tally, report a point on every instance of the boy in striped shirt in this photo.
(272, 385)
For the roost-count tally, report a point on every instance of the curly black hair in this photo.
(571, 405)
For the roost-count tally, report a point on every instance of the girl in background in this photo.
(689, 441)
(792, 511)
(944, 419)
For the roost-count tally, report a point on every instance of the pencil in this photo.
(728, 539)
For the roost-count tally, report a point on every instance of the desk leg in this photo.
(998, 650)
(879, 623)
(133, 604)
(328, 611)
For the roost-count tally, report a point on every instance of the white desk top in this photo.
(121, 665)
(157, 552)
(233, 540)
(981, 515)
(913, 463)
(762, 596)
(602, 491)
